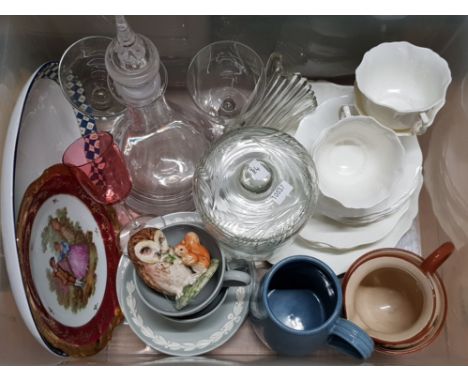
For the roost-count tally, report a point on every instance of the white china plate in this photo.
(173, 338)
(325, 91)
(42, 124)
(68, 258)
(77, 211)
(340, 260)
(321, 229)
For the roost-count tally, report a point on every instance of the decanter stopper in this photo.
(132, 62)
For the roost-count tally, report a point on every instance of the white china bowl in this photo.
(401, 85)
(358, 160)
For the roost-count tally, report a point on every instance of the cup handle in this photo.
(350, 339)
(436, 258)
(347, 111)
(421, 127)
(236, 278)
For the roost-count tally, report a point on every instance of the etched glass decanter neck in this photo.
(149, 118)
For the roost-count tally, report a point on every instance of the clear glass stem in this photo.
(131, 222)
(128, 227)
(131, 225)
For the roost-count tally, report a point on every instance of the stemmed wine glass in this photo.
(225, 79)
(83, 78)
(100, 168)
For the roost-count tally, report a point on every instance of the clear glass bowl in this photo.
(287, 98)
(255, 189)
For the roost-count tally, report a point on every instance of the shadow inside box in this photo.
(325, 357)
(155, 360)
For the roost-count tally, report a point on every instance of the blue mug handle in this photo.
(350, 339)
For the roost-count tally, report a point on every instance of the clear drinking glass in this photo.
(83, 78)
(224, 79)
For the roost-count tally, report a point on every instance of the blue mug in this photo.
(296, 308)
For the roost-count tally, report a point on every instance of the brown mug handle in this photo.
(436, 258)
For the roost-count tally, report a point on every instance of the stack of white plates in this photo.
(338, 235)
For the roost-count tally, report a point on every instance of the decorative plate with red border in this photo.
(69, 256)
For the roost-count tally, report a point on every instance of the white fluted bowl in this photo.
(358, 160)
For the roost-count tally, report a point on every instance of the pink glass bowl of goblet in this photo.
(100, 168)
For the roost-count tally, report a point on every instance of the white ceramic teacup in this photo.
(357, 161)
(401, 85)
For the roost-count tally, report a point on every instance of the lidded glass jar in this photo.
(161, 145)
(255, 189)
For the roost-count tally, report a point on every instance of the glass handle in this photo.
(129, 224)
(124, 210)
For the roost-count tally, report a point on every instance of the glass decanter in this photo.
(161, 145)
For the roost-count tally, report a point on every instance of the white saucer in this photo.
(325, 90)
(332, 234)
(340, 260)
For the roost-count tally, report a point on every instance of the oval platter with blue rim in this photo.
(42, 125)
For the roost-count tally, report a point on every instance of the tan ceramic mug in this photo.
(397, 297)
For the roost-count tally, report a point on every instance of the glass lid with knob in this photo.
(255, 189)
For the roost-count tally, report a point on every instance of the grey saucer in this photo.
(206, 311)
(181, 339)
